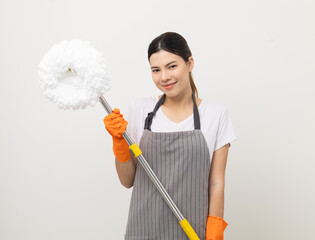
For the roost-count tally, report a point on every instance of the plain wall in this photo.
(57, 174)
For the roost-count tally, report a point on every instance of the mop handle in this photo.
(135, 150)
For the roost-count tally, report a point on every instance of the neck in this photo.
(180, 101)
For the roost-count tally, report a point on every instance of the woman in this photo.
(184, 139)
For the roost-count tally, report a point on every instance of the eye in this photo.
(155, 70)
(172, 66)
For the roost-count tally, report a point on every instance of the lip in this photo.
(170, 85)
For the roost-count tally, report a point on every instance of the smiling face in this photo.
(170, 72)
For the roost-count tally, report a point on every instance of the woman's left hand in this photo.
(215, 228)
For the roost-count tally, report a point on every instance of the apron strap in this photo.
(149, 118)
(196, 114)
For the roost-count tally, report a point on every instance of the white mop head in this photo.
(73, 74)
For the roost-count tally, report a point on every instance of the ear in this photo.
(190, 64)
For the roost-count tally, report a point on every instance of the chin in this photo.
(171, 93)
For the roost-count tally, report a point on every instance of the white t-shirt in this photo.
(215, 121)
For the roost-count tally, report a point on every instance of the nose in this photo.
(165, 76)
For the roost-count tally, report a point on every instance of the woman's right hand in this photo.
(116, 125)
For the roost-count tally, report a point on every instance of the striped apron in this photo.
(181, 161)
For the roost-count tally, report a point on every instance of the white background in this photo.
(57, 173)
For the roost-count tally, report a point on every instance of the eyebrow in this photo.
(165, 65)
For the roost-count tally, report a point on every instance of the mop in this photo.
(73, 75)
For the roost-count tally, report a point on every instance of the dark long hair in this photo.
(174, 43)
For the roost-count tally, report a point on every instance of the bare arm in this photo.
(126, 171)
(217, 181)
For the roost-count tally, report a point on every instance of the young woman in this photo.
(184, 139)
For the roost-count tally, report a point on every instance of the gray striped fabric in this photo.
(181, 161)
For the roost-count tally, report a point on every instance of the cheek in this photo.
(183, 75)
(155, 78)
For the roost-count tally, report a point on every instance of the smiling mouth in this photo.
(169, 85)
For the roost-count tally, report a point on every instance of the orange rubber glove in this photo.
(116, 125)
(215, 228)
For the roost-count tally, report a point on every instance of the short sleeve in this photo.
(130, 118)
(225, 133)
(134, 116)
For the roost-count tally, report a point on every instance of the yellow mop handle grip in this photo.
(135, 150)
(188, 230)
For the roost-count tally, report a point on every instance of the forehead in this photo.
(162, 58)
